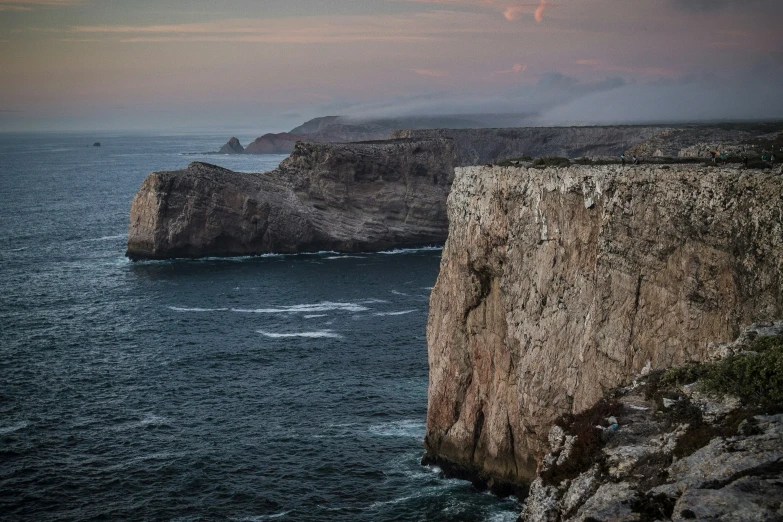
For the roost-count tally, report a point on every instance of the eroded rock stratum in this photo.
(558, 284)
(343, 197)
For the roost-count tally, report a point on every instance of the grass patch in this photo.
(551, 161)
(514, 162)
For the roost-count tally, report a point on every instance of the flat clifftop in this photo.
(558, 284)
(343, 197)
(481, 146)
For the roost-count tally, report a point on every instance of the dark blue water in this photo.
(267, 388)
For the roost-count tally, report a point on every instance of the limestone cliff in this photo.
(558, 284)
(481, 146)
(344, 197)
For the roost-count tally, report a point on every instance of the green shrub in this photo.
(551, 161)
(512, 162)
(756, 378)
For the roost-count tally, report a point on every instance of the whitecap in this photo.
(315, 315)
(345, 257)
(504, 516)
(15, 427)
(153, 420)
(404, 428)
(395, 292)
(325, 306)
(412, 250)
(259, 518)
(18, 249)
(107, 238)
(310, 335)
(181, 309)
(403, 312)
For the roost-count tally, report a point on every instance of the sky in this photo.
(268, 65)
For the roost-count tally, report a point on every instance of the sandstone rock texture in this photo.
(558, 284)
(232, 147)
(343, 197)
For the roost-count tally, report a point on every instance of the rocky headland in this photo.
(558, 284)
(345, 197)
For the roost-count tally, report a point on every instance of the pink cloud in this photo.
(540, 11)
(25, 5)
(515, 69)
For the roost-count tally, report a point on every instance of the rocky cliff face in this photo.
(481, 146)
(344, 197)
(558, 284)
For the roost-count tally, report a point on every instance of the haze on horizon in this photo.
(266, 66)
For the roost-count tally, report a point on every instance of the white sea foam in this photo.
(396, 292)
(310, 335)
(107, 238)
(503, 516)
(345, 257)
(259, 518)
(325, 306)
(16, 427)
(18, 249)
(404, 428)
(153, 420)
(181, 309)
(411, 250)
(403, 312)
(315, 315)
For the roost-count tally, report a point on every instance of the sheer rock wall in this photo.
(558, 284)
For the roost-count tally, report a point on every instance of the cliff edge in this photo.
(343, 197)
(558, 284)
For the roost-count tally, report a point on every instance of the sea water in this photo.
(255, 388)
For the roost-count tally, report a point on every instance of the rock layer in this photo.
(343, 197)
(558, 284)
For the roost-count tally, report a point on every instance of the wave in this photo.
(259, 518)
(404, 428)
(310, 335)
(345, 257)
(18, 249)
(397, 292)
(16, 427)
(394, 313)
(412, 250)
(181, 309)
(315, 315)
(107, 238)
(324, 306)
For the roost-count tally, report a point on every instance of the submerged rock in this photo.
(344, 197)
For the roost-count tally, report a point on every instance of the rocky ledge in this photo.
(699, 442)
(560, 283)
(344, 197)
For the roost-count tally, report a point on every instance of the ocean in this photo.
(286, 388)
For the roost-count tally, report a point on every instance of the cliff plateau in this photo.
(559, 284)
(344, 197)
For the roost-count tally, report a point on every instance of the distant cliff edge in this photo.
(558, 284)
(344, 197)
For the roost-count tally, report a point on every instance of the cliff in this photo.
(344, 197)
(280, 143)
(481, 146)
(558, 284)
(699, 442)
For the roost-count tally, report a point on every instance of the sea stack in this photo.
(345, 197)
(561, 283)
(232, 147)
